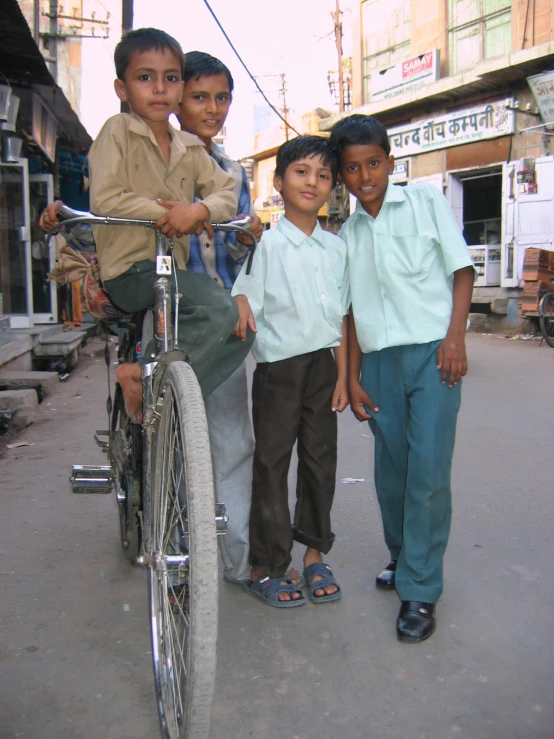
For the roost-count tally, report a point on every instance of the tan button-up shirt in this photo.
(128, 173)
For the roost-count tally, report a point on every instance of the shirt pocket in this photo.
(410, 257)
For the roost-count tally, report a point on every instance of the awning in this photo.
(24, 66)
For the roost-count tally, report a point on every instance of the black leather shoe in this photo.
(416, 621)
(385, 579)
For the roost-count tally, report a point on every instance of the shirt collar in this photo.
(179, 139)
(295, 235)
(219, 155)
(394, 194)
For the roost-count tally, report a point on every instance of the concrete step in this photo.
(61, 344)
(42, 382)
(22, 404)
(17, 350)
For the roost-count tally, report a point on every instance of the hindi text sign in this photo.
(462, 127)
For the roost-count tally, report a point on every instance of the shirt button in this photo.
(316, 269)
(323, 297)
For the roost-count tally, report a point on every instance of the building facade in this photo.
(466, 90)
(43, 149)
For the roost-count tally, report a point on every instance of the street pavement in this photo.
(74, 641)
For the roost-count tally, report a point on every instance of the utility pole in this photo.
(338, 40)
(285, 110)
(53, 39)
(127, 12)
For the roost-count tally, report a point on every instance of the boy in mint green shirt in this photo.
(298, 294)
(411, 281)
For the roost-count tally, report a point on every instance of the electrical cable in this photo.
(275, 110)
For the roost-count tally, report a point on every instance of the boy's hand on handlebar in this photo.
(182, 218)
(246, 318)
(256, 228)
(49, 216)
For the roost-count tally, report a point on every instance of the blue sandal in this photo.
(320, 568)
(267, 589)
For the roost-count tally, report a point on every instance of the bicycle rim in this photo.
(183, 598)
(546, 318)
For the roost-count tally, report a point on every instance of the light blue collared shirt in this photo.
(401, 267)
(298, 291)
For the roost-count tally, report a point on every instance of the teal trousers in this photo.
(414, 431)
(207, 317)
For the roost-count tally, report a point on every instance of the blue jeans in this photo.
(415, 431)
(232, 446)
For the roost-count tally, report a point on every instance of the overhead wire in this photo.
(273, 108)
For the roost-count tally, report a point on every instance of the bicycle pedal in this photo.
(103, 444)
(89, 478)
(221, 519)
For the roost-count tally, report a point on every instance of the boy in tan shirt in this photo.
(137, 162)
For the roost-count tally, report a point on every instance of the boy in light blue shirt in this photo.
(298, 295)
(411, 281)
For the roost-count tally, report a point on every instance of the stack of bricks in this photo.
(538, 268)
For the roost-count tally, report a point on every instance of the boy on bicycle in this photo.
(297, 291)
(137, 160)
(411, 281)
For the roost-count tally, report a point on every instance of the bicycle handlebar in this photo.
(72, 217)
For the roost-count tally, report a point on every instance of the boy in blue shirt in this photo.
(207, 98)
(411, 281)
(298, 294)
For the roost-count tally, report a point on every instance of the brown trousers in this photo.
(291, 402)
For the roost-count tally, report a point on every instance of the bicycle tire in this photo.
(546, 318)
(125, 457)
(183, 607)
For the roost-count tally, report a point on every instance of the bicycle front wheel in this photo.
(183, 556)
(546, 318)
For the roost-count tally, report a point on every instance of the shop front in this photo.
(37, 126)
(502, 203)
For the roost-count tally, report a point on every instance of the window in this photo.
(478, 29)
(386, 37)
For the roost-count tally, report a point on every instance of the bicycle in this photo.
(161, 472)
(546, 316)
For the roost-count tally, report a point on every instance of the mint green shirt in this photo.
(298, 291)
(401, 267)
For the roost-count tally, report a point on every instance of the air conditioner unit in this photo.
(44, 128)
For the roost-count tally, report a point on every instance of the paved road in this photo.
(75, 652)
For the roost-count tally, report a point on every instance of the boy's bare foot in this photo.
(311, 557)
(295, 577)
(129, 377)
(257, 575)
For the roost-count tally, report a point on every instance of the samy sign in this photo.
(407, 75)
(419, 65)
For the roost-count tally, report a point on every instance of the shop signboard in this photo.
(542, 87)
(460, 127)
(410, 74)
(401, 171)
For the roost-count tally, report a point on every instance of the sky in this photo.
(291, 36)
